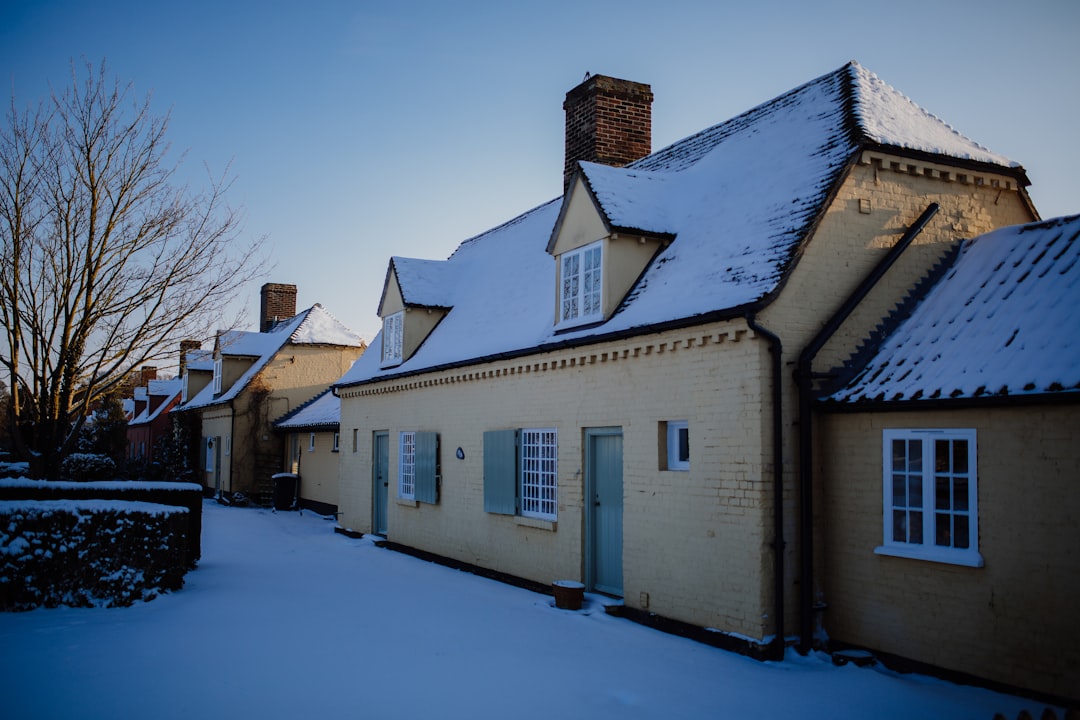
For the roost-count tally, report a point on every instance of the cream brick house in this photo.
(256, 378)
(950, 471)
(312, 446)
(600, 389)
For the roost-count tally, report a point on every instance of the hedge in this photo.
(89, 553)
(188, 495)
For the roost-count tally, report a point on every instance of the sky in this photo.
(283, 618)
(355, 130)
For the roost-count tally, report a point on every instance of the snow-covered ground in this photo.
(285, 619)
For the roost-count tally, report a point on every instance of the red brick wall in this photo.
(278, 303)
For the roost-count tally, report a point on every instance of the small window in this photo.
(336, 439)
(678, 445)
(311, 442)
(580, 284)
(227, 447)
(355, 440)
(930, 495)
(393, 338)
(217, 376)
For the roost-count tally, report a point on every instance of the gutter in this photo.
(778, 544)
(804, 379)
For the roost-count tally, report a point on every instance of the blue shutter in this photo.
(426, 489)
(500, 472)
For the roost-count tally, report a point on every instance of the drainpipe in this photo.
(778, 544)
(804, 378)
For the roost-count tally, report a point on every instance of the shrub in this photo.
(85, 467)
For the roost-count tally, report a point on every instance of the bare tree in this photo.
(106, 261)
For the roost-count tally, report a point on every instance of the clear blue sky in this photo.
(360, 130)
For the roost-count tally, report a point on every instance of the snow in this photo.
(89, 507)
(314, 326)
(322, 410)
(285, 619)
(1001, 321)
(98, 485)
(737, 198)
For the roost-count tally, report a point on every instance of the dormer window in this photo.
(217, 376)
(393, 338)
(581, 284)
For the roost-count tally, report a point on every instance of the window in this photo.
(678, 445)
(418, 466)
(336, 439)
(217, 376)
(520, 472)
(355, 440)
(311, 442)
(393, 338)
(227, 449)
(930, 495)
(581, 281)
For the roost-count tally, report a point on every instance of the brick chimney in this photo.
(608, 121)
(146, 374)
(186, 346)
(278, 303)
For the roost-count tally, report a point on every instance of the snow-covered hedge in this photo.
(85, 467)
(188, 495)
(89, 553)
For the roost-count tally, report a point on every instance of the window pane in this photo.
(899, 456)
(899, 491)
(943, 529)
(941, 455)
(915, 492)
(960, 456)
(899, 526)
(684, 444)
(916, 528)
(960, 494)
(941, 494)
(962, 534)
(914, 448)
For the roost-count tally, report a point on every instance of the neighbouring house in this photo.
(600, 389)
(950, 470)
(312, 442)
(257, 377)
(152, 423)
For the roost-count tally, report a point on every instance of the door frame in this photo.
(589, 539)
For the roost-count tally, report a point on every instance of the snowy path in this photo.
(285, 619)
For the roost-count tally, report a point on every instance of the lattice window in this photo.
(539, 480)
(580, 297)
(407, 466)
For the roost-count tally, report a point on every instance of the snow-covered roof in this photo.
(201, 360)
(165, 389)
(425, 283)
(1001, 321)
(738, 198)
(314, 326)
(323, 410)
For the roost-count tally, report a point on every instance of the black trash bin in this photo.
(286, 491)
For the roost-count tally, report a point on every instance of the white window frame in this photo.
(913, 513)
(580, 269)
(538, 478)
(217, 376)
(674, 459)
(227, 447)
(407, 465)
(311, 442)
(337, 439)
(393, 339)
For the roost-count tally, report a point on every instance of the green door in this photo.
(604, 486)
(380, 480)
